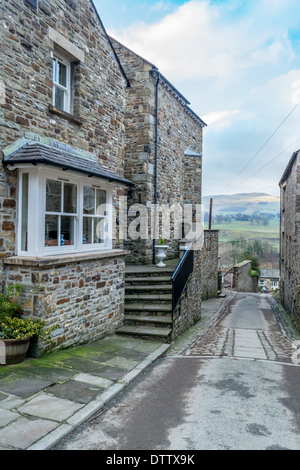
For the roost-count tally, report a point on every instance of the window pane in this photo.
(70, 198)
(54, 70)
(62, 74)
(51, 230)
(24, 216)
(100, 226)
(87, 230)
(88, 200)
(59, 98)
(100, 202)
(67, 231)
(53, 196)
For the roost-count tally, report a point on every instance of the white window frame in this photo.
(37, 179)
(67, 90)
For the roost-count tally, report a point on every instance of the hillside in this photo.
(236, 231)
(245, 203)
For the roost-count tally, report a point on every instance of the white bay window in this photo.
(61, 212)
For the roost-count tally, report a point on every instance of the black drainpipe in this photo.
(155, 162)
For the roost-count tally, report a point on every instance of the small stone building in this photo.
(239, 279)
(269, 278)
(290, 238)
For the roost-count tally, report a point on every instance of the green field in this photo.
(236, 230)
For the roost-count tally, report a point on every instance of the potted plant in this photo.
(161, 253)
(16, 332)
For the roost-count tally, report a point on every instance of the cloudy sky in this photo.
(238, 63)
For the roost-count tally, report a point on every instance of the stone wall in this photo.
(188, 312)
(290, 239)
(83, 294)
(209, 264)
(178, 176)
(243, 282)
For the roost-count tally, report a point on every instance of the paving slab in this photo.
(50, 407)
(73, 390)
(2, 396)
(7, 416)
(93, 380)
(110, 372)
(22, 433)
(79, 364)
(10, 402)
(53, 373)
(132, 354)
(23, 385)
(122, 362)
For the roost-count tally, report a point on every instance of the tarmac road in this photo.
(237, 388)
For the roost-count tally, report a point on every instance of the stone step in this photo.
(144, 271)
(148, 320)
(148, 308)
(165, 320)
(142, 297)
(148, 280)
(152, 287)
(145, 332)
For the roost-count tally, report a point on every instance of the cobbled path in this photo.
(247, 328)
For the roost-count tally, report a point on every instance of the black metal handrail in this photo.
(181, 276)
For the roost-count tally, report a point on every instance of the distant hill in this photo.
(245, 203)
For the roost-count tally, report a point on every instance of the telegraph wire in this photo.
(268, 163)
(267, 141)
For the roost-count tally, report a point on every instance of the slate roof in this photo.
(269, 273)
(289, 167)
(37, 153)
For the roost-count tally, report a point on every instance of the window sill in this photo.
(64, 115)
(56, 260)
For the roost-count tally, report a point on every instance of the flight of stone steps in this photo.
(148, 302)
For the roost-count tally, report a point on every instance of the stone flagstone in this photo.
(49, 407)
(23, 432)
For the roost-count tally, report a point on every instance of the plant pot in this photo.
(161, 255)
(13, 351)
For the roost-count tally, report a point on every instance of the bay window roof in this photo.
(37, 153)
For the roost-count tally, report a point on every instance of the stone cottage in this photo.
(269, 279)
(85, 123)
(62, 131)
(290, 238)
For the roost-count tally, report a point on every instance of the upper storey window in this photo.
(61, 97)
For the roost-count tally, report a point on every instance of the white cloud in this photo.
(221, 118)
(237, 65)
(197, 41)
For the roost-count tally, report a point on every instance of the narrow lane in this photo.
(248, 329)
(236, 388)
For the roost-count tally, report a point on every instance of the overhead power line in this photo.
(266, 164)
(260, 149)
